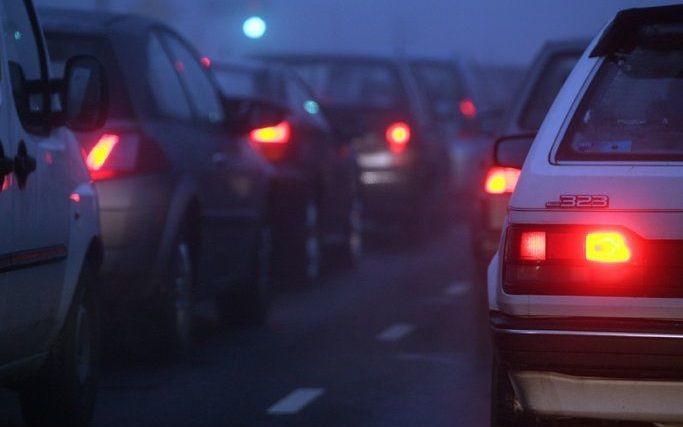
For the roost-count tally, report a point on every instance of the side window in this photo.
(199, 87)
(23, 56)
(303, 104)
(164, 83)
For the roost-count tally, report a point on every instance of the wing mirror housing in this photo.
(511, 151)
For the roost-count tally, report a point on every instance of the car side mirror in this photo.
(246, 114)
(511, 151)
(85, 94)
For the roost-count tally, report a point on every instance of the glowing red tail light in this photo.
(398, 135)
(278, 134)
(99, 154)
(467, 108)
(501, 180)
(113, 155)
(588, 260)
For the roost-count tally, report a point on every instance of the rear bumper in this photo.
(133, 217)
(623, 369)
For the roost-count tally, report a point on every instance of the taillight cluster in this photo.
(573, 260)
(118, 154)
(398, 135)
(500, 180)
(272, 141)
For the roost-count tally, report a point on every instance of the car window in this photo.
(243, 82)
(23, 55)
(197, 83)
(633, 109)
(164, 83)
(62, 46)
(552, 77)
(440, 90)
(351, 84)
(303, 105)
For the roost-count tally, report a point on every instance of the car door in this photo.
(231, 182)
(34, 262)
(332, 162)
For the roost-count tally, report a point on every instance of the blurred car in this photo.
(402, 157)
(315, 201)
(468, 108)
(184, 206)
(585, 291)
(50, 236)
(543, 81)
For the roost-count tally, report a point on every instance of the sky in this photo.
(506, 32)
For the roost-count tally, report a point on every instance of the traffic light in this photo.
(254, 27)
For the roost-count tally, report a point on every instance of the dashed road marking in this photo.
(395, 332)
(295, 401)
(458, 288)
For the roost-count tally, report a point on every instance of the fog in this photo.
(488, 31)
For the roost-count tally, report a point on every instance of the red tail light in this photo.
(587, 260)
(278, 134)
(501, 180)
(398, 136)
(467, 108)
(114, 155)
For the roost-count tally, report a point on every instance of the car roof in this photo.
(93, 22)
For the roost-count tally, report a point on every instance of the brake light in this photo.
(467, 108)
(398, 136)
(278, 134)
(532, 246)
(205, 61)
(501, 180)
(608, 247)
(100, 152)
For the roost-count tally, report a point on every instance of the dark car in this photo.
(543, 81)
(402, 157)
(183, 206)
(315, 203)
(467, 103)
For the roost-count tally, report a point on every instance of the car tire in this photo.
(250, 306)
(175, 318)
(351, 250)
(63, 392)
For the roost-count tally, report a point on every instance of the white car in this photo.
(50, 249)
(586, 289)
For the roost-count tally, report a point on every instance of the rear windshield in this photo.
(62, 46)
(633, 109)
(552, 77)
(247, 83)
(374, 86)
(440, 89)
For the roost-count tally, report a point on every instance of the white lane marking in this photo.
(458, 288)
(395, 332)
(295, 401)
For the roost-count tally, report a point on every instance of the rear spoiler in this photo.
(625, 30)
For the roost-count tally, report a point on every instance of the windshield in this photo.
(441, 91)
(552, 77)
(632, 111)
(348, 84)
(63, 46)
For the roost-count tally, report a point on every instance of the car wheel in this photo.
(307, 252)
(352, 248)
(250, 306)
(176, 315)
(63, 392)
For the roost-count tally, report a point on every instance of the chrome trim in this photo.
(589, 333)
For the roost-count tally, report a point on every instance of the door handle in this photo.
(24, 165)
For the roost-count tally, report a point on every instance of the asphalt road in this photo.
(399, 342)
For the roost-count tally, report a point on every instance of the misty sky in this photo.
(489, 31)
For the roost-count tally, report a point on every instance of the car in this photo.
(402, 158)
(183, 200)
(543, 81)
(50, 242)
(315, 201)
(467, 102)
(585, 290)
